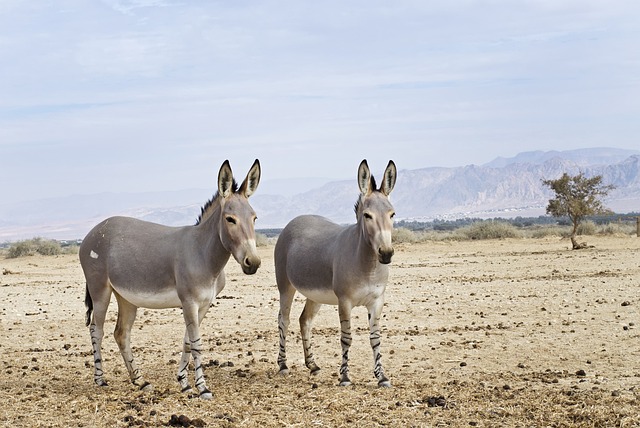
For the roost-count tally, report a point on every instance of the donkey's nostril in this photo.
(247, 262)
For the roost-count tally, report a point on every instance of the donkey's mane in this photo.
(210, 207)
(375, 189)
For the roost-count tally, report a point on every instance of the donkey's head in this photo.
(374, 211)
(237, 218)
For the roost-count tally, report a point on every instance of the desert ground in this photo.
(512, 333)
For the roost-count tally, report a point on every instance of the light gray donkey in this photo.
(154, 266)
(338, 265)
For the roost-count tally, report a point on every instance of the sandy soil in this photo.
(507, 333)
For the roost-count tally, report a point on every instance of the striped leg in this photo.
(97, 333)
(344, 311)
(311, 309)
(286, 299)
(375, 310)
(192, 318)
(126, 317)
(183, 374)
(96, 330)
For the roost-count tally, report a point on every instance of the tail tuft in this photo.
(88, 302)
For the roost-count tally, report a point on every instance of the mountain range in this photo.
(504, 187)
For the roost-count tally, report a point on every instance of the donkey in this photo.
(154, 266)
(338, 265)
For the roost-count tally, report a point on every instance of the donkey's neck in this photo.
(366, 257)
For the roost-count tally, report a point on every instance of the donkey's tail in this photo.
(88, 302)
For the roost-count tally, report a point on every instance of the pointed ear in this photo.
(250, 183)
(364, 178)
(389, 179)
(225, 180)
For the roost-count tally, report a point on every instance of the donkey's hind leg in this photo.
(287, 292)
(309, 312)
(98, 302)
(126, 317)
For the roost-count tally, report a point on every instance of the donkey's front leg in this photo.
(375, 310)
(183, 372)
(344, 311)
(192, 321)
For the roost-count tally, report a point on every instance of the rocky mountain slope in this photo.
(502, 188)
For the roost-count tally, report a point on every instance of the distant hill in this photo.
(580, 157)
(502, 188)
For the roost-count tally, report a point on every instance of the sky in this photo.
(153, 95)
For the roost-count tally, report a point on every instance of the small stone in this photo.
(581, 373)
(626, 303)
(463, 364)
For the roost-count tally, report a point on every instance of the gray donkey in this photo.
(154, 266)
(337, 265)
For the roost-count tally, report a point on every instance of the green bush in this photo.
(34, 246)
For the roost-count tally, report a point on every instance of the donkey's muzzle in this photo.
(384, 255)
(250, 265)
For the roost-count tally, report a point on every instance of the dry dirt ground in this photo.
(513, 333)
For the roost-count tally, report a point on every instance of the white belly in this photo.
(324, 296)
(167, 298)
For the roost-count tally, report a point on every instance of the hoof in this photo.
(284, 370)
(384, 383)
(315, 371)
(187, 389)
(206, 395)
(146, 387)
(101, 382)
(345, 381)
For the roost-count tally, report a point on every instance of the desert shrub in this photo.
(617, 229)
(586, 228)
(547, 231)
(488, 230)
(33, 246)
(403, 235)
(261, 240)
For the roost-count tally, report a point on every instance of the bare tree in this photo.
(577, 197)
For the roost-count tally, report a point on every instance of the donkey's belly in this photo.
(152, 299)
(324, 296)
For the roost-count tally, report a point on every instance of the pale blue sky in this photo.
(146, 95)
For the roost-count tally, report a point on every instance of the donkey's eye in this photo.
(231, 220)
(392, 215)
(367, 216)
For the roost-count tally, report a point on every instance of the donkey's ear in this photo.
(225, 180)
(250, 183)
(364, 178)
(389, 179)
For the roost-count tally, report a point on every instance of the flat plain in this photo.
(513, 333)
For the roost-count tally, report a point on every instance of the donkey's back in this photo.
(131, 253)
